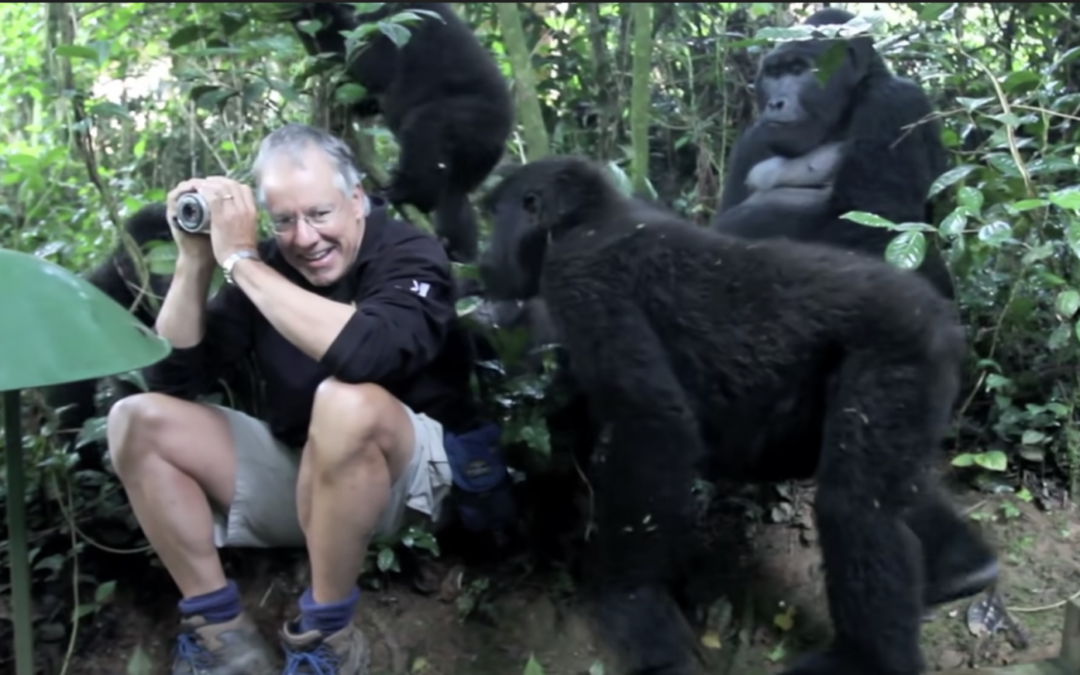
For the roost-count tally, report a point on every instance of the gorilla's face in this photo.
(318, 228)
(510, 268)
(798, 111)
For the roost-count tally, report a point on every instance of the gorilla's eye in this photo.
(530, 202)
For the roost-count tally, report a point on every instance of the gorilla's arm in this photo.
(876, 139)
(749, 151)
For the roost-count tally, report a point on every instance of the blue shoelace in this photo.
(321, 661)
(189, 651)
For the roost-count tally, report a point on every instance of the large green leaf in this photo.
(57, 327)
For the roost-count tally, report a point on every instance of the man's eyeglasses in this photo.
(317, 218)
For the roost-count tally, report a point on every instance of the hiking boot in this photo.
(231, 648)
(342, 653)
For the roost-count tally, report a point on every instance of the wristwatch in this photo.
(231, 261)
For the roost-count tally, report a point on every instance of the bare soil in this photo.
(534, 615)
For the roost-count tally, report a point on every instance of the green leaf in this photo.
(951, 177)
(931, 11)
(1066, 303)
(349, 93)
(397, 33)
(995, 460)
(1032, 437)
(953, 224)
(597, 668)
(971, 198)
(533, 667)
(1020, 81)
(467, 306)
(995, 233)
(386, 559)
(104, 592)
(964, 459)
(1068, 198)
(188, 34)
(995, 381)
(622, 181)
(869, 219)
(1027, 205)
(139, 663)
(1072, 236)
(76, 52)
(907, 250)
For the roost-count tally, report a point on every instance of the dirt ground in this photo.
(533, 615)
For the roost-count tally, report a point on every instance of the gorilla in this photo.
(817, 152)
(699, 351)
(117, 277)
(442, 96)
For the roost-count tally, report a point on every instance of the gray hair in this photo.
(295, 138)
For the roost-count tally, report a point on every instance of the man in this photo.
(351, 318)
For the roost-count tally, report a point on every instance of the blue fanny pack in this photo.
(484, 500)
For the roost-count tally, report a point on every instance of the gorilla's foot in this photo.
(961, 581)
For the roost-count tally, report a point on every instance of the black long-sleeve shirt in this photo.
(404, 335)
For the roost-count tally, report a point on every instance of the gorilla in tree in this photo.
(441, 94)
(817, 152)
(699, 350)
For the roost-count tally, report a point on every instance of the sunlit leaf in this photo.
(971, 198)
(907, 250)
(398, 34)
(76, 52)
(1069, 198)
(994, 460)
(533, 667)
(953, 224)
(1032, 437)
(995, 233)
(951, 177)
(869, 219)
(1066, 303)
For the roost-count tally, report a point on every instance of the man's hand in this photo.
(233, 216)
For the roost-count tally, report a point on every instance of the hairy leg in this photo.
(361, 439)
(174, 457)
(874, 450)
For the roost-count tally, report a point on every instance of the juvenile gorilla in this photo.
(443, 97)
(699, 350)
(817, 152)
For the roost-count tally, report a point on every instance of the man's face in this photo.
(318, 228)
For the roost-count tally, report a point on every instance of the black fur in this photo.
(885, 170)
(700, 350)
(118, 278)
(443, 97)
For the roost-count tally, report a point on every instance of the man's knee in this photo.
(135, 426)
(363, 421)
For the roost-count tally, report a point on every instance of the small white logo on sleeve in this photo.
(420, 288)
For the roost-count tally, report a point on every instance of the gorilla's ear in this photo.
(860, 52)
(531, 203)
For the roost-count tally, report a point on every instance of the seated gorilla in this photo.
(817, 152)
(117, 278)
(442, 96)
(698, 350)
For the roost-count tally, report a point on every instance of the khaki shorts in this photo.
(264, 513)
